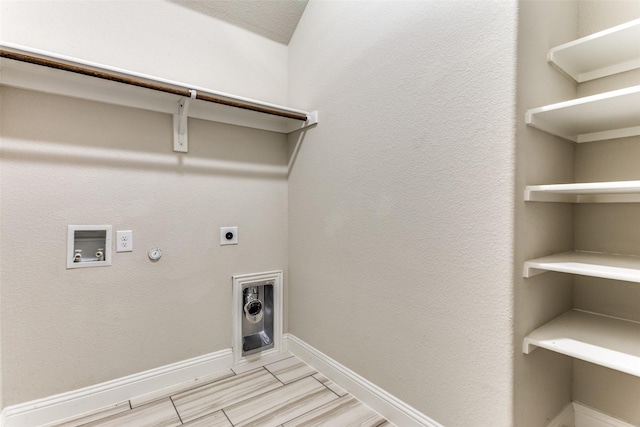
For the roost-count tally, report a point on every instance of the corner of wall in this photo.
(1, 282)
(542, 379)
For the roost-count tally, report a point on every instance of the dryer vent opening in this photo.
(258, 317)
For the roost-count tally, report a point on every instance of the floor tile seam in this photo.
(279, 361)
(312, 396)
(346, 397)
(212, 383)
(197, 386)
(95, 413)
(315, 409)
(300, 379)
(262, 366)
(274, 375)
(175, 409)
(290, 368)
(329, 388)
(279, 386)
(227, 416)
(262, 394)
(193, 385)
(114, 416)
(224, 408)
(124, 413)
(311, 374)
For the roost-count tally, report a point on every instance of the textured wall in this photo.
(1, 239)
(542, 378)
(401, 200)
(607, 227)
(67, 161)
(152, 37)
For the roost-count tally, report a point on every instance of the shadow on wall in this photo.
(114, 159)
(295, 141)
(54, 129)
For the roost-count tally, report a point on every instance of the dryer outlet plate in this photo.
(228, 236)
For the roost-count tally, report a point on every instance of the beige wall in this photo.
(67, 161)
(153, 37)
(1, 239)
(545, 382)
(607, 227)
(542, 379)
(400, 210)
(401, 201)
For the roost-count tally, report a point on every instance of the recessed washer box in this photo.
(88, 246)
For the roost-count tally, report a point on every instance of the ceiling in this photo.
(274, 19)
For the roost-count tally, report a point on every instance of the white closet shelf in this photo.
(602, 54)
(588, 192)
(606, 266)
(599, 339)
(608, 115)
(33, 69)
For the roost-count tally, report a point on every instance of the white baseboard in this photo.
(90, 399)
(145, 385)
(588, 417)
(376, 398)
(578, 415)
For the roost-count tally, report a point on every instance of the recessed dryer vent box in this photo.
(88, 246)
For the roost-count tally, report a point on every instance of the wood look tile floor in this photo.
(285, 393)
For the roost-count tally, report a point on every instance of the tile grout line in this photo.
(176, 409)
(274, 375)
(278, 381)
(225, 414)
(326, 386)
(295, 399)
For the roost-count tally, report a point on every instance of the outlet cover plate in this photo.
(124, 241)
(228, 236)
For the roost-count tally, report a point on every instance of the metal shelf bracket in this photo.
(180, 131)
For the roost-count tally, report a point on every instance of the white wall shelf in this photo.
(608, 115)
(87, 80)
(602, 54)
(599, 339)
(606, 266)
(603, 340)
(588, 192)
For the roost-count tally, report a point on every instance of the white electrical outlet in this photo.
(124, 241)
(228, 235)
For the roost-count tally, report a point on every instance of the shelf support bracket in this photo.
(530, 270)
(312, 120)
(180, 134)
(528, 346)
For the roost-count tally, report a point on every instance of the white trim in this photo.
(376, 398)
(90, 399)
(145, 385)
(578, 415)
(589, 417)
